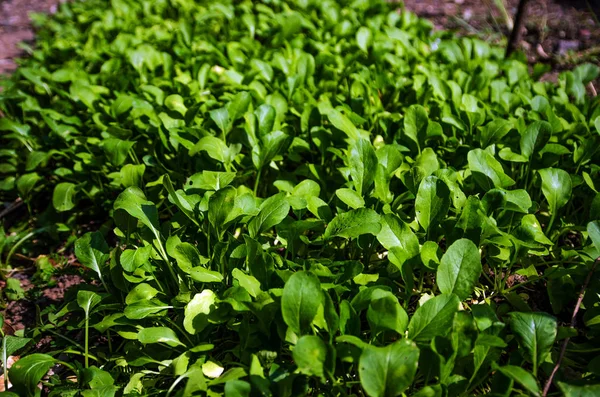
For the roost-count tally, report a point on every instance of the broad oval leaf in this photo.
(197, 310)
(350, 198)
(521, 376)
(92, 251)
(388, 371)
(273, 210)
(487, 171)
(310, 355)
(220, 205)
(87, 300)
(353, 223)
(432, 201)
(362, 162)
(494, 131)
(556, 187)
(385, 313)
(535, 137)
(134, 202)
(433, 318)
(159, 335)
(26, 373)
(536, 333)
(397, 236)
(62, 198)
(300, 301)
(459, 269)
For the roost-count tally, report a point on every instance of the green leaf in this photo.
(416, 121)
(10, 345)
(272, 212)
(494, 131)
(398, 238)
(535, 137)
(141, 292)
(353, 223)
(579, 390)
(92, 251)
(87, 300)
(388, 371)
(116, 150)
(249, 283)
(364, 38)
(593, 229)
(362, 161)
(350, 198)
(210, 180)
(214, 147)
(536, 333)
(175, 103)
(197, 311)
(274, 143)
(433, 318)
(96, 378)
(132, 259)
(203, 275)
(310, 355)
(133, 201)
(432, 201)
(385, 313)
(121, 104)
(222, 120)
(220, 205)
(177, 198)
(517, 200)
(459, 269)
(62, 198)
(265, 114)
(26, 373)
(343, 123)
(556, 187)
(300, 301)
(237, 388)
(487, 171)
(25, 184)
(142, 309)
(522, 377)
(159, 335)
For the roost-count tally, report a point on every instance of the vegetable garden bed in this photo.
(298, 198)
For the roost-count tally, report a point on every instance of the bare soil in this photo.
(562, 33)
(15, 27)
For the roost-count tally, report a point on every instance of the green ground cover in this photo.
(299, 198)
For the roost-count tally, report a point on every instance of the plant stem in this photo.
(549, 227)
(573, 318)
(87, 339)
(257, 180)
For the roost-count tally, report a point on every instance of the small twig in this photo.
(517, 31)
(16, 204)
(592, 89)
(573, 320)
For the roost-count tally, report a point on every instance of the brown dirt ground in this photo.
(15, 27)
(559, 32)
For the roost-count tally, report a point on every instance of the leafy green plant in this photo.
(301, 198)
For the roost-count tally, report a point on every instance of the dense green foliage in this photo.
(299, 198)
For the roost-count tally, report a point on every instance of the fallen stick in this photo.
(573, 318)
